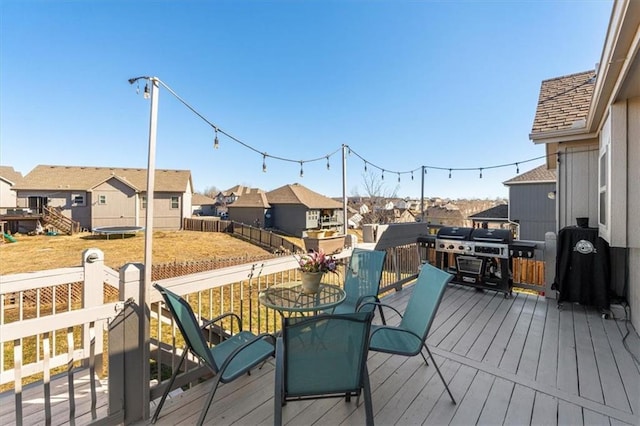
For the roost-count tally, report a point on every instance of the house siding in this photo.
(120, 207)
(8, 198)
(578, 184)
(289, 218)
(165, 217)
(248, 215)
(530, 206)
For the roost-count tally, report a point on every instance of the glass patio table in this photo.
(290, 299)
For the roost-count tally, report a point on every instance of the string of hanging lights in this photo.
(326, 157)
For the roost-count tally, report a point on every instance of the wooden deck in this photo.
(508, 361)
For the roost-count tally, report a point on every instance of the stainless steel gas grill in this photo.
(476, 257)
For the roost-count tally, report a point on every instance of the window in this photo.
(602, 187)
(175, 202)
(102, 199)
(77, 200)
(144, 202)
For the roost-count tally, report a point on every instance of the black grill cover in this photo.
(492, 235)
(455, 233)
(582, 267)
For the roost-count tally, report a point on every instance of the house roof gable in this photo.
(499, 212)
(45, 177)
(538, 175)
(298, 194)
(8, 174)
(563, 103)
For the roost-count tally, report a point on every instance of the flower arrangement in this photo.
(317, 261)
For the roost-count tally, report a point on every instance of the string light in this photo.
(147, 95)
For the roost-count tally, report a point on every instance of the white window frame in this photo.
(102, 200)
(175, 202)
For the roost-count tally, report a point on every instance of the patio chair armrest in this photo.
(207, 323)
(381, 305)
(395, 329)
(362, 299)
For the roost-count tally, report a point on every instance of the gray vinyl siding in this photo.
(164, 216)
(530, 206)
(247, 215)
(290, 218)
(119, 208)
(578, 185)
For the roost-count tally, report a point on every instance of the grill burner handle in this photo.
(491, 240)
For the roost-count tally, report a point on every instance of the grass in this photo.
(40, 252)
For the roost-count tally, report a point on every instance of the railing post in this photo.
(128, 359)
(93, 295)
(550, 249)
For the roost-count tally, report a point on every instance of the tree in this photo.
(378, 193)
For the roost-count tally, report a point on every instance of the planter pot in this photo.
(311, 282)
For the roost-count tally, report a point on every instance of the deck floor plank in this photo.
(588, 379)
(520, 406)
(530, 357)
(495, 409)
(567, 379)
(545, 410)
(569, 414)
(515, 346)
(625, 363)
(547, 371)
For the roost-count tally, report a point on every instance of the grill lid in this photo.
(492, 235)
(454, 233)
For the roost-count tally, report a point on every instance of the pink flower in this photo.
(317, 261)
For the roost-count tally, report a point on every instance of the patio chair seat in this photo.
(393, 340)
(246, 359)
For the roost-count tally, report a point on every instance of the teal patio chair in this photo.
(409, 337)
(362, 281)
(324, 356)
(228, 360)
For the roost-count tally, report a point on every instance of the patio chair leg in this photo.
(207, 404)
(422, 355)
(384, 321)
(440, 374)
(168, 388)
(368, 404)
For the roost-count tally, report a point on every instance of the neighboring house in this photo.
(591, 120)
(103, 196)
(393, 215)
(496, 217)
(201, 205)
(251, 208)
(447, 215)
(230, 196)
(295, 209)
(532, 202)
(8, 179)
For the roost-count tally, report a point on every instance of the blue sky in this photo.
(405, 84)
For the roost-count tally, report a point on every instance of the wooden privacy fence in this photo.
(276, 243)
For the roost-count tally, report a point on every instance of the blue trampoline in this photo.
(117, 230)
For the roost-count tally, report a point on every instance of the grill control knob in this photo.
(450, 247)
(441, 245)
(460, 247)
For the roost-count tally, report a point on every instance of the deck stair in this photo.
(53, 217)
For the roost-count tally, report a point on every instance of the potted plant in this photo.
(313, 266)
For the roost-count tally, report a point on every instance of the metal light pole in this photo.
(144, 299)
(345, 224)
